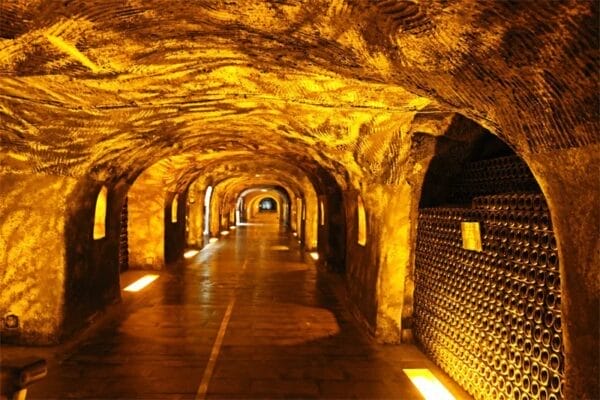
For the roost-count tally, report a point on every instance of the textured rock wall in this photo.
(147, 199)
(362, 267)
(107, 89)
(174, 231)
(395, 215)
(570, 181)
(92, 278)
(55, 276)
(33, 261)
(195, 216)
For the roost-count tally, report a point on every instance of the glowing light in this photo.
(362, 222)
(141, 283)
(207, 196)
(190, 253)
(213, 240)
(294, 234)
(280, 248)
(100, 214)
(232, 227)
(321, 211)
(224, 233)
(429, 386)
(174, 206)
(314, 255)
(72, 51)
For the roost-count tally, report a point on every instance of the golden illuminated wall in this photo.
(33, 259)
(195, 215)
(318, 91)
(146, 224)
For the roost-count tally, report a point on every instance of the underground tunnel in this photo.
(299, 199)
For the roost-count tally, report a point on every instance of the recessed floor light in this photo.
(141, 283)
(429, 386)
(190, 253)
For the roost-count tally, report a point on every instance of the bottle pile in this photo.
(492, 319)
(123, 241)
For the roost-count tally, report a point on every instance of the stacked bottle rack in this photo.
(495, 176)
(123, 240)
(492, 319)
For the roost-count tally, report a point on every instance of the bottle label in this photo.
(471, 236)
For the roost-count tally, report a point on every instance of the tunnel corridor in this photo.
(326, 198)
(287, 335)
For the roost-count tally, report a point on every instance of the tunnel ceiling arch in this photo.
(264, 168)
(178, 172)
(262, 189)
(234, 186)
(89, 85)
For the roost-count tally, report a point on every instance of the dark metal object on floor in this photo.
(16, 377)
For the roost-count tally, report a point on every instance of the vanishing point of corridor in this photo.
(328, 199)
(250, 316)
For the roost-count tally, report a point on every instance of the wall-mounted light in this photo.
(174, 206)
(100, 214)
(141, 283)
(314, 255)
(11, 321)
(362, 222)
(429, 386)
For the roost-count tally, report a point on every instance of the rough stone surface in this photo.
(323, 98)
(33, 257)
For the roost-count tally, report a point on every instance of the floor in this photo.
(250, 316)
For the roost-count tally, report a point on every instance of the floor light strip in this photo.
(190, 253)
(429, 386)
(141, 283)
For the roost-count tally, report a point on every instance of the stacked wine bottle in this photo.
(123, 240)
(491, 319)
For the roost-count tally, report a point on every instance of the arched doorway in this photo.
(267, 205)
(487, 301)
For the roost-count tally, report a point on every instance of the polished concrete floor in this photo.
(250, 316)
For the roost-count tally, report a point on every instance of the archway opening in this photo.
(487, 286)
(207, 196)
(100, 214)
(362, 222)
(267, 205)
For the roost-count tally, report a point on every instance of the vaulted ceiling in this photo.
(110, 87)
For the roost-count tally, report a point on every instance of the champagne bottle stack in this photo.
(123, 240)
(491, 319)
(494, 176)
